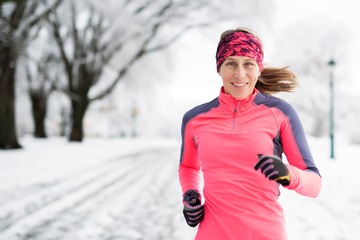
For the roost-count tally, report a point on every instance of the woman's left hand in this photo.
(273, 168)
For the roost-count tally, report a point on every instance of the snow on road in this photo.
(133, 196)
(129, 190)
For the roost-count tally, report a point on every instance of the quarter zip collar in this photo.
(233, 104)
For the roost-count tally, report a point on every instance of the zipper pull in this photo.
(236, 108)
(235, 111)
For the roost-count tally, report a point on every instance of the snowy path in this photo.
(131, 197)
(129, 190)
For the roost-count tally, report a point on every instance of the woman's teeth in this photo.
(239, 84)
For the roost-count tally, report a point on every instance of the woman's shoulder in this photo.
(202, 108)
(271, 101)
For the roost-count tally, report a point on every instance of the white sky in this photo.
(344, 11)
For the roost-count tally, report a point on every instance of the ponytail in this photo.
(274, 80)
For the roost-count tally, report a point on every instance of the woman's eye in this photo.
(230, 64)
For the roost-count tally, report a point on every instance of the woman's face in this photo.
(239, 75)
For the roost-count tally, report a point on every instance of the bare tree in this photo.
(17, 18)
(90, 38)
(42, 82)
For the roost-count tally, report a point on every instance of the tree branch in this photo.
(60, 42)
(34, 19)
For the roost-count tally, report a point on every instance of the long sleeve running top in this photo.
(222, 138)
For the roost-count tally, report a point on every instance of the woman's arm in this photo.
(305, 176)
(304, 182)
(189, 168)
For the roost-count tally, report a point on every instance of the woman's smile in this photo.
(242, 84)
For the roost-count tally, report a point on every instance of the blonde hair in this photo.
(272, 79)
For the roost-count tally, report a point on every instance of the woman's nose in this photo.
(239, 72)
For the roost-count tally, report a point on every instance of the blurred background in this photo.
(126, 68)
(114, 78)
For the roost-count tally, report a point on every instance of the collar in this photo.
(230, 102)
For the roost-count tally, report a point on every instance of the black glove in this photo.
(274, 169)
(193, 210)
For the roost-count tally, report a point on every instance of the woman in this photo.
(237, 141)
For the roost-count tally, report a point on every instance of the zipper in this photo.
(235, 115)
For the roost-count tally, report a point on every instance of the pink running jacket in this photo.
(222, 138)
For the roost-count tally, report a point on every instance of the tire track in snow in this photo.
(49, 211)
(156, 214)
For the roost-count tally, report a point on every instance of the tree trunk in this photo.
(78, 108)
(80, 103)
(39, 101)
(8, 138)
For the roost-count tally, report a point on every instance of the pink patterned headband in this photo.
(239, 44)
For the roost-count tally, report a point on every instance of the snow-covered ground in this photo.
(127, 189)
